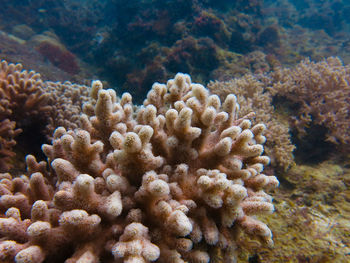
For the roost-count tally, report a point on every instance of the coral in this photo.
(111, 34)
(236, 65)
(7, 135)
(321, 95)
(14, 49)
(21, 92)
(252, 96)
(25, 96)
(178, 180)
(34, 107)
(257, 62)
(22, 99)
(66, 100)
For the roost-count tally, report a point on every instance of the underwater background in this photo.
(287, 61)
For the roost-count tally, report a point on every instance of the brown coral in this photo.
(34, 107)
(175, 181)
(22, 100)
(322, 93)
(66, 100)
(7, 135)
(21, 92)
(252, 97)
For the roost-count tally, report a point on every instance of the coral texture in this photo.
(252, 96)
(178, 180)
(21, 92)
(22, 99)
(321, 92)
(26, 102)
(8, 132)
(66, 100)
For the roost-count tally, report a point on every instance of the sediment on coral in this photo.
(179, 179)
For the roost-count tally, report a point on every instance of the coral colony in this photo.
(178, 179)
